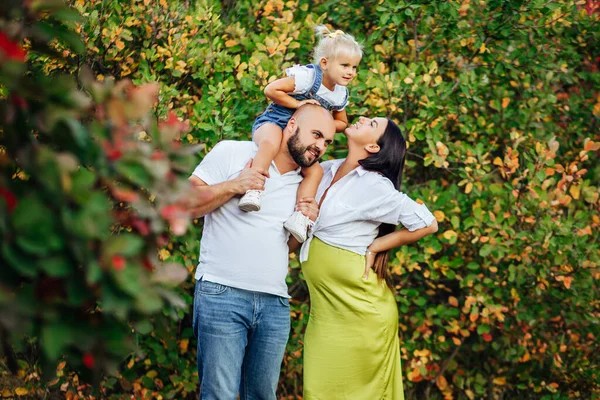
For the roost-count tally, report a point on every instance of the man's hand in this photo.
(249, 179)
(309, 207)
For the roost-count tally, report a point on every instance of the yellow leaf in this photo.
(439, 215)
(498, 162)
(408, 80)
(575, 191)
(151, 374)
(231, 43)
(468, 188)
(438, 80)
(501, 380)
(422, 353)
(426, 78)
(120, 45)
(482, 48)
(163, 254)
(449, 234)
(453, 301)
(505, 102)
(183, 345)
(21, 391)
(431, 250)
(441, 383)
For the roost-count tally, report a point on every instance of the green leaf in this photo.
(125, 244)
(144, 327)
(420, 301)
(23, 264)
(135, 172)
(55, 337)
(56, 266)
(481, 329)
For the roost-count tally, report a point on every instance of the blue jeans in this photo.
(241, 340)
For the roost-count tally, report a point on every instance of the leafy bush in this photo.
(88, 186)
(500, 105)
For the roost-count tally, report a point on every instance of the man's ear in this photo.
(291, 125)
(372, 148)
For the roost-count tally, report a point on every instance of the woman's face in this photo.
(366, 130)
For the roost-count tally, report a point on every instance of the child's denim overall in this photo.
(280, 115)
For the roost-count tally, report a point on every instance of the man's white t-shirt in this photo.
(246, 250)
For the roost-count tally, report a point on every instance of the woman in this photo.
(351, 346)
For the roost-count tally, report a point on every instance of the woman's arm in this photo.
(400, 238)
(278, 91)
(341, 120)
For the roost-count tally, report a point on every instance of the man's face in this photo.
(307, 147)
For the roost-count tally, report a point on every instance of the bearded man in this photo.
(241, 303)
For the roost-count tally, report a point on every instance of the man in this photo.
(241, 304)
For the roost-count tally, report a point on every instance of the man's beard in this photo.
(298, 150)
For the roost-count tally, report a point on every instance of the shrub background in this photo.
(500, 104)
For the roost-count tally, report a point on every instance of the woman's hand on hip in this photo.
(369, 261)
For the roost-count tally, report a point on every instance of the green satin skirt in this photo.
(351, 346)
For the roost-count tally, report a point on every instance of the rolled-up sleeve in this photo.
(397, 208)
(214, 167)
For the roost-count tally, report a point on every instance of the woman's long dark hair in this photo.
(389, 162)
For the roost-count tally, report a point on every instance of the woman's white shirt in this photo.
(356, 205)
(303, 81)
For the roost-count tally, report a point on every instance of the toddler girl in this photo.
(336, 58)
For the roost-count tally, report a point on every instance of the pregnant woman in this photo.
(351, 346)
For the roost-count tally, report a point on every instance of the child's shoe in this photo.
(250, 201)
(297, 224)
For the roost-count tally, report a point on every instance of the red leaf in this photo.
(11, 50)
(9, 199)
(19, 102)
(88, 360)
(118, 262)
(171, 211)
(141, 226)
(128, 196)
(487, 337)
(148, 265)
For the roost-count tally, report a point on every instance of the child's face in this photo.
(342, 69)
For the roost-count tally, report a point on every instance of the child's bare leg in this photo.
(310, 183)
(268, 137)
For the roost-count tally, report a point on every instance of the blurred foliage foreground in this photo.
(500, 103)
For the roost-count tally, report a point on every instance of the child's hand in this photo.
(309, 101)
(309, 207)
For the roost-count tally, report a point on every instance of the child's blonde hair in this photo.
(332, 44)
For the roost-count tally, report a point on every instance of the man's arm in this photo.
(204, 198)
